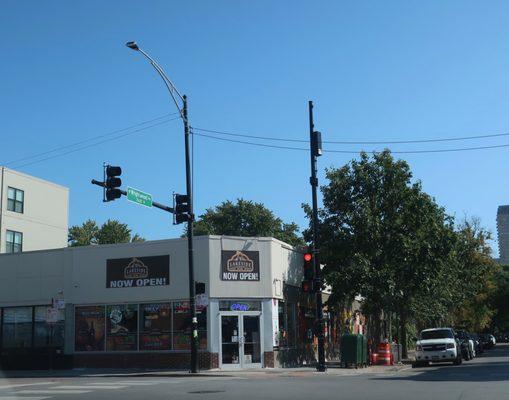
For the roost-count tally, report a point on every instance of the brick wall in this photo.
(268, 359)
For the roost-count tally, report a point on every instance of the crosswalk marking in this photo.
(88, 387)
(62, 391)
(24, 398)
(128, 383)
(15, 385)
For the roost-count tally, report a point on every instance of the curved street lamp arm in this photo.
(169, 84)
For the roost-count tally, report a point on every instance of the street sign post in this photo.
(137, 196)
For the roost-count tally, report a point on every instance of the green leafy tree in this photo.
(112, 231)
(381, 237)
(500, 301)
(83, 235)
(246, 218)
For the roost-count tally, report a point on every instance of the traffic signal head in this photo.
(316, 144)
(309, 273)
(307, 286)
(181, 208)
(112, 183)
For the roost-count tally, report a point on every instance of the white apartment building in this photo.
(33, 213)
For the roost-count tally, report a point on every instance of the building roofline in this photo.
(27, 176)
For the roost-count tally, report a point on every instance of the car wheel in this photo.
(458, 361)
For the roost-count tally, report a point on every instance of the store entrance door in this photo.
(240, 340)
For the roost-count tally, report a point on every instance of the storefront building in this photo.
(126, 305)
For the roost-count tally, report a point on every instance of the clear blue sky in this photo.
(375, 70)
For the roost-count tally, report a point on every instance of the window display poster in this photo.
(89, 328)
(155, 326)
(122, 327)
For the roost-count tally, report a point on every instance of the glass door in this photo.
(230, 343)
(241, 344)
(251, 342)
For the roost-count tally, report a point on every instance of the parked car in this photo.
(467, 344)
(478, 343)
(437, 345)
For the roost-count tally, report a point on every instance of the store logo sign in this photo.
(135, 269)
(240, 265)
(138, 272)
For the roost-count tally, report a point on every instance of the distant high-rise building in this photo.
(503, 234)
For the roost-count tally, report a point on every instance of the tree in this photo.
(381, 237)
(83, 235)
(112, 231)
(246, 218)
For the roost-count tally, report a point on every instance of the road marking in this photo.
(53, 391)
(15, 385)
(23, 398)
(95, 386)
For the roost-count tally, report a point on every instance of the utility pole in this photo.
(190, 248)
(315, 145)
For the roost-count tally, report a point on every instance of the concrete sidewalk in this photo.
(126, 373)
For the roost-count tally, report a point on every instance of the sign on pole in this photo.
(137, 196)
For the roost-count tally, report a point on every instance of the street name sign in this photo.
(137, 196)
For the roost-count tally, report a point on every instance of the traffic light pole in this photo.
(314, 247)
(190, 248)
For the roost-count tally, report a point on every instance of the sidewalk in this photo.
(125, 373)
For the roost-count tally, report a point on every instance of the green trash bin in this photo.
(353, 350)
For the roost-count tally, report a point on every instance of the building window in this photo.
(17, 328)
(89, 328)
(122, 327)
(13, 242)
(15, 200)
(48, 334)
(155, 326)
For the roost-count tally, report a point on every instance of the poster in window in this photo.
(89, 328)
(121, 327)
(155, 326)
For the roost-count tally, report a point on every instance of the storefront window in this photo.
(17, 328)
(48, 335)
(89, 328)
(291, 319)
(122, 327)
(182, 326)
(155, 326)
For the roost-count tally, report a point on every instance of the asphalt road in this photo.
(486, 377)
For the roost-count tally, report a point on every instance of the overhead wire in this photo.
(352, 151)
(59, 148)
(98, 143)
(353, 142)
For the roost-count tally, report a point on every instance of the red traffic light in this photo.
(308, 257)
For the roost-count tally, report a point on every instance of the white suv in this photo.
(437, 345)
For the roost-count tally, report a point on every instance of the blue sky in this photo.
(375, 70)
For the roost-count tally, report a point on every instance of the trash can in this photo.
(353, 350)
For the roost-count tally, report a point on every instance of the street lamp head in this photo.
(132, 45)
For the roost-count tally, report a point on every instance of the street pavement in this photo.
(483, 378)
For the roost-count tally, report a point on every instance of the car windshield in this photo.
(437, 334)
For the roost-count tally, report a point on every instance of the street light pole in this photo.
(315, 143)
(175, 95)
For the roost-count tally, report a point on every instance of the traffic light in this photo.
(112, 183)
(180, 208)
(309, 274)
(316, 144)
(199, 287)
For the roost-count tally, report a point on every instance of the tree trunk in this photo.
(403, 339)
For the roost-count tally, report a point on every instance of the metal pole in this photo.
(194, 321)
(314, 247)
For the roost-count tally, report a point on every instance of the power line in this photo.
(98, 143)
(87, 140)
(355, 152)
(354, 142)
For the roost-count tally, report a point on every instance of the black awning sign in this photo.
(138, 272)
(240, 266)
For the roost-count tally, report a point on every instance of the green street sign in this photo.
(137, 196)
